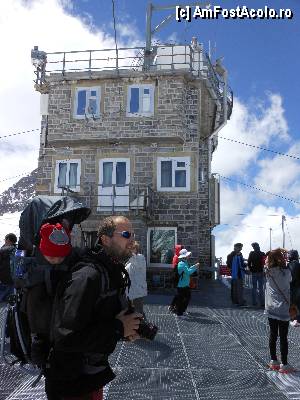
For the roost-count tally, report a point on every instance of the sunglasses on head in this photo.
(126, 234)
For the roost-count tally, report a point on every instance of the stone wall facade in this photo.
(183, 118)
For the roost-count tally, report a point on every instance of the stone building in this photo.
(135, 139)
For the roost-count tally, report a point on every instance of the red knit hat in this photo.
(55, 240)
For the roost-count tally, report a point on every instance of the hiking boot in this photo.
(295, 323)
(274, 365)
(286, 369)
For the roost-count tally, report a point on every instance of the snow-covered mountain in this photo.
(14, 198)
(12, 203)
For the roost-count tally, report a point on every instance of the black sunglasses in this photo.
(126, 234)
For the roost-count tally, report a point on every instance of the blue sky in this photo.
(261, 55)
(263, 62)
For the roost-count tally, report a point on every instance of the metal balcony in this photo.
(116, 198)
(130, 197)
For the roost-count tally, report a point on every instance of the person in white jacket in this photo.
(136, 268)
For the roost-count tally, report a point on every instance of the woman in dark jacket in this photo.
(294, 267)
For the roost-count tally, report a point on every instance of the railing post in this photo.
(90, 61)
(64, 63)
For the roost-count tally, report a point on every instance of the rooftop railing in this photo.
(161, 58)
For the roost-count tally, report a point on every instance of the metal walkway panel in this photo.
(216, 352)
(165, 351)
(235, 385)
(151, 384)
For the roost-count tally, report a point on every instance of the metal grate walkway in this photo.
(216, 352)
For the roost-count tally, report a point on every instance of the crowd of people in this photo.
(275, 288)
(91, 304)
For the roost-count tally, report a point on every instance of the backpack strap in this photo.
(181, 275)
(104, 281)
(280, 291)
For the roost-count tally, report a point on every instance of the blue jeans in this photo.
(258, 283)
(5, 291)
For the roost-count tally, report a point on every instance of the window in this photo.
(161, 243)
(140, 100)
(173, 174)
(114, 181)
(67, 175)
(87, 102)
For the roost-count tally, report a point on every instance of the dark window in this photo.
(180, 178)
(166, 173)
(134, 100)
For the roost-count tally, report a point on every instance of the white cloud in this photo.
(258, 127)
(264, 126)
(277, 174)
(23, 24)
(280, 175)
(255, 227)
(9, 223)
(233, 202)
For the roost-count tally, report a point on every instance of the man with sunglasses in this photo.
(90, 317)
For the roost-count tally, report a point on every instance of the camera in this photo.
(146, 330)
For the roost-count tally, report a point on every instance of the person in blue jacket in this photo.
(183, 287)
(235, 261)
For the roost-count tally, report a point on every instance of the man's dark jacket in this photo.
(256, 261)
(294, 267)
(5, 274)
(229, 259)
(84, 328)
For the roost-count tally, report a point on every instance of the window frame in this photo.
(120, 189)
(68, 162)
(187, 168)
(98, 101)
(140, 112)
(159, 228)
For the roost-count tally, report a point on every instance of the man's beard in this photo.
(120, 255)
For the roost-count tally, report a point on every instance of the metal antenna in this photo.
(150, 32)
(115, 30)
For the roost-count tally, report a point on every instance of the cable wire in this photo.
(249, 226)
(16, 176)
(260, 148)
(288, 231)
(261, 190)
(20, 133)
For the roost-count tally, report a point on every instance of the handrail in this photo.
(135, 192)
(168, 57)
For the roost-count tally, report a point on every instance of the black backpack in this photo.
(32, 278)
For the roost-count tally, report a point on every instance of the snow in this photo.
(9, 223)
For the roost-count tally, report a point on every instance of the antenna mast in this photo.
(150, 32)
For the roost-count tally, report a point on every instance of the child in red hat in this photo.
(55, 242)
(55, 245)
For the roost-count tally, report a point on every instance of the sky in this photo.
(263, 62)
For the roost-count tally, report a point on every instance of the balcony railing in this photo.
(128, 197)
(115, 198)
(162, 58)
